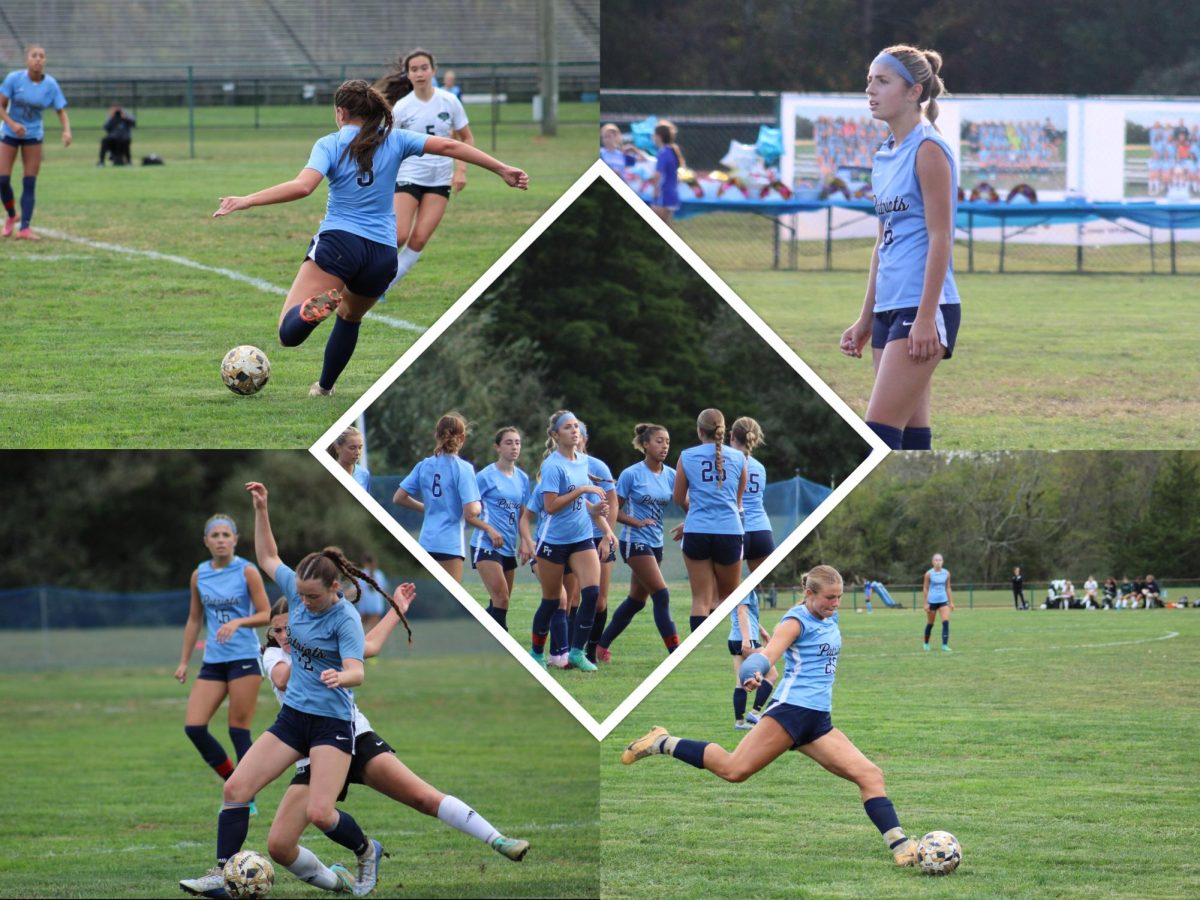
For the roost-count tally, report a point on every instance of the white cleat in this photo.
(368, 869)
(210, 885)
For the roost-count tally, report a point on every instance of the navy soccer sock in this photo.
(232, 825)
(662, 617)
(620, 621)
(695, 621)
(347, 833)
(560, 634)
(893, 437)
(586, 616)
(7, 197)
(739, 703)
(690, 752)
(945, 632)
(499, 615)
(28, 198)
(293, 330)
(883, 815)
(917, 439)
(572, 616)
(597, 631)
(241, 741)
(338, 350)
(928, 632)
(210, 749)
(541, 623)
(762, 695)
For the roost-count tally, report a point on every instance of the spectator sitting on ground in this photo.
(118, 135)
(1111, 595)
(1089, 592)
(1152, 592)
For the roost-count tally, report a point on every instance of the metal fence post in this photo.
(191, 101)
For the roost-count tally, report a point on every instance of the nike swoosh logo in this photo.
(339, 737)
(906, 324)
(251, 666)
(379, 743)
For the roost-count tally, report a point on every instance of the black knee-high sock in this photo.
(560, 634)
(293, 330)
(946, 632)
(241, 741)
(890, 435)
(338, 350)
(541, 623)
(586, 617)
(232, 825)
(917, 439)
(928, 632)
(210, 749)
(762, 695)
(28, 198)
(499, 615)
(695, 621)
(347, 833)
(7, 197)
(739, 703)
(597, 631)
(620, 621)
(690, 752)
(663, 621)
(883, 814)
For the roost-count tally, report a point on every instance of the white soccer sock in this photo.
(309, 869)
(405, 260)
(458, 815)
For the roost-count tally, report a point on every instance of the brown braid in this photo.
(450, 433)
(361, 101)
(394, 86)
(326, 566)
(747, 432)
(711, 424)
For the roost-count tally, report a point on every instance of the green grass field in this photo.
(636, 653)
(1059, 749)
(106, 349)
(107, 798)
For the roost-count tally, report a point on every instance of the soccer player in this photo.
(503, 491)
(326, 640)
(347, 450)
(24, 94)
(759, 540)
(709, 485)
(564, 483)
(605, 541)
(744, 631)
(375, 763)
(810, 641)
(449, 495)
(666, 171)
(353, 258)
(423, 184)
(910, 312)
(228, 596)
(939, 598)
(643, 492)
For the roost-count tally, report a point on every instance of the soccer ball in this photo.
(249, 874)
(245, 370)
(938, 853)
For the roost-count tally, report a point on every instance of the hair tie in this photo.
(896, 66)
(563, 417)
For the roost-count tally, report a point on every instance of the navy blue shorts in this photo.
(231, 670)
(442, 557)
(420, 190)
(934, 607)
(895, 324)
(560, 554)
(302, 731)
(722, 549)
(367, 746)
(630, 550)
(735, 647)
(758, 544)
(612, 552)
(20, 142)
(367, 267)
(802, 724)
(479, 554)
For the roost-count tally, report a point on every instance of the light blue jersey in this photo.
(27, 100)
(712, 505)
(225, 597)
(646, 496)
(540, 520)
(361, 203)
(900, 279)
(750, 601)
(362, 476)
(502, 497)
(318, 642)
(560, 476)
(445, 484)
(756, 518)
(937, 585)
(601, 477)
(810, 664)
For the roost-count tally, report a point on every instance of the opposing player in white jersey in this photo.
(939, 599)
(352, 258)
(910, 312)
(809, 641)
(424, 184)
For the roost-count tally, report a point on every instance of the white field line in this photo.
(1166, 637)
(231, 274)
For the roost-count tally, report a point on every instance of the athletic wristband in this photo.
(755, 664)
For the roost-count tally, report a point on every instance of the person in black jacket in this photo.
(117, 137)
(1018, 589)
